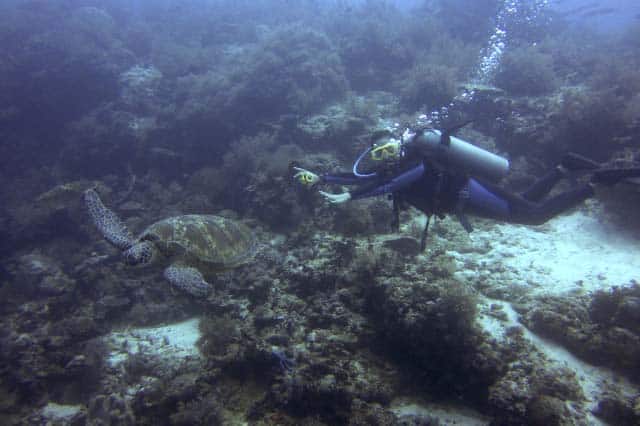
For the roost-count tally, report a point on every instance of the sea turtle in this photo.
(189, 244)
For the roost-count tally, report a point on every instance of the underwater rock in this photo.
(110, 409)
(170, 345)
(333, 125)
(78, 365)
(265, 317)
(208, 179)
(629, 310)
(64, 196)
(618, 409)
(139, 84)
(315, 267)
(42, 277)
(158, 367)
(604, 330)
(131, 207)
(530, 390)
(526, 71)
(548, 411)
(36, 266)
(407, 246)
(46, 357)
(110, 303)
(61, 415)
(427, 85)
(145, 312)
(203, 410)
(363, 413)
(428, 327)
(412, 411)
(222, 340)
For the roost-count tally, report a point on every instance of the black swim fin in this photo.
(445, 135)
(465, 222)
(425, 234)
(613, 176)
(395, 221)
(575, 162)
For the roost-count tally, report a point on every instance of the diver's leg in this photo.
(537, 213)
(490, 201)
(528, 213)
(485, 200)
(544, 185)
(571, 162)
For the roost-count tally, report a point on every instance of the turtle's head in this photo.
(141, 253)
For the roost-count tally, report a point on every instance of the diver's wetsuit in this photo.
(435, 192)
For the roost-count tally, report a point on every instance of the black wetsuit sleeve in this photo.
(347, 178)
(391, 185)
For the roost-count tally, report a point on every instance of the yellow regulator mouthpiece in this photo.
(305, 177)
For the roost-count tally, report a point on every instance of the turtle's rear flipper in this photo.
(107, 222)
(188, 279)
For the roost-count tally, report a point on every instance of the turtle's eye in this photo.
(139, 254)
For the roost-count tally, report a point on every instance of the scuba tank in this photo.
(450, 152)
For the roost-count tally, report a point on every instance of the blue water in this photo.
(165, 108)
(605, 15)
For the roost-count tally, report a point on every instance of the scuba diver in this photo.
(440, 175)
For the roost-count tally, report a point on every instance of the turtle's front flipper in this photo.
(107, 222)
(188, 279)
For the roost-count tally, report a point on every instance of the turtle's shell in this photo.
(214, 240)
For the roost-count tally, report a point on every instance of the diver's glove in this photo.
(336, 198)
(305, 177)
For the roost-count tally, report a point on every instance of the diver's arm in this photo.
(392, 185)
(308, 178)
(336, 198)
(346, 178)
(395, 184)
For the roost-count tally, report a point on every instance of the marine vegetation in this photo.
(526, 71)
(187, 117)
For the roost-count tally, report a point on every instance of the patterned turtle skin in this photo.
(207, 241)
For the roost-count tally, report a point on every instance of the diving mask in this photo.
(389, 150)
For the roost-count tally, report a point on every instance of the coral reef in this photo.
(603, 329)
(428, 86)
(201, 108)
(526, 71)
